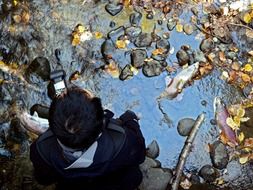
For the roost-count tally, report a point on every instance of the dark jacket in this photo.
(115, 164)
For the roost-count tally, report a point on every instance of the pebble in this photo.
(135, 18)
(184, 126)
(153, 68)
(182, 57)
(138, 57)
(188, 29)
(208, 173)
(126, 73)
(219, 155)
(143, 40)
(113, 9)
(153, 150)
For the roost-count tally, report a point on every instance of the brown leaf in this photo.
(248, 143)
(222, 56)
(235, 66)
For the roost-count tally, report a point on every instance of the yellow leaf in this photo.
(240, 112)
(80, 28)
(244, 159)
(158, 51)
(179, 27)
(241, 137)
(15, 2)
(245, 77)
(237, 120)
(98, 35)
(247, 18)
(75, 41)
(113, 69)
(230, 122)
(247, 67)
(14, 65)
(121, 44)
(244, 119)
(134, 70)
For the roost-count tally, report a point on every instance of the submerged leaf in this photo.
(247, 18)
(230, 122)
(121, 44)
(98, 35)
(247, 67)
(179, 27)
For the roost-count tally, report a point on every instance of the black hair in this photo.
(76, 118)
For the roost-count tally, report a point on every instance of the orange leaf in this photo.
(222, 56)
(158, 51)
(245, 77)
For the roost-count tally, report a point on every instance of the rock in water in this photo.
(153, 150)
(208, 173)
(138, 57)
(126, 73)
(184, 126)
(219, 155)
(143, 40)
(153, 68)
(113, 9)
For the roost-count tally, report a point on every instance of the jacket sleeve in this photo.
(42, 171)
(134, 149)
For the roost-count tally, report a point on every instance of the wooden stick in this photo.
(186, 150)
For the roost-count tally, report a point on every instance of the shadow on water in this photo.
(50, 27)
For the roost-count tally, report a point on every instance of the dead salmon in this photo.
(221, 115)
(177, 84)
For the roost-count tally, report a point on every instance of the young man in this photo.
(84, 148)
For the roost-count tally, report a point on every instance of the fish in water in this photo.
(177, 84)
(221, 115)
(34, 123)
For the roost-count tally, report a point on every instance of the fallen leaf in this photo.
(80, 28)
(113, 69)
(235, 66)
(244, 159)
(98, 35)
(121, 44)
(245, 77)
(240, 112)
(244, 119)
(159, 51)
(230, 122)
(247, 67)
(134, 70)
(220, 181)
(224, 75)
(251, 52)
(247, 18)
(222, 56)
(223, 138)
(186, 184)
(241, 137)
(248, 143)
(179, 27)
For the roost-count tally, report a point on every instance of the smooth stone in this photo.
(153, 68)
(188, 29)
(126, 73)
(143, 40)
(207, 45)
(182, 57)
(113, 9)
(184, 126)
(164, 44)
(150, 16)
(108, 48)
(159, 57)
(116, 33)
(133, 32)
(208, 173)
(138, 57)
(171, 24)
(199, 56)
(219, 155)
(135, 18)
(152, 150)
(40, 67)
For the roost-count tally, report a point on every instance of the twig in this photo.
(234, 24)
(186, 150)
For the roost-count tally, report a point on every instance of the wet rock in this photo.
(171, 24)
(107, 48)
(164, 44)
(133, 32)
(159, 57)
(143, 40)
(160, 22)
(208, 173)
(138, 57)
(188, 29)
(112, 24)
(150, 16)
(195, 179)
(207, 45)
(153, 68)
(247, 90)
(40, 67)
(116, 33)
(135, 18)
(184, 126)
(5, 153)
(113, 9)
(126, 73)
(182, 57)
(219, 155)
(232, 55)
(154, 178)
(195, 11)
(153, 150)
(150, 163)
(249, 113)
(199, 56)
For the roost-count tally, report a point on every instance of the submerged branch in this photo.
(186, 150)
